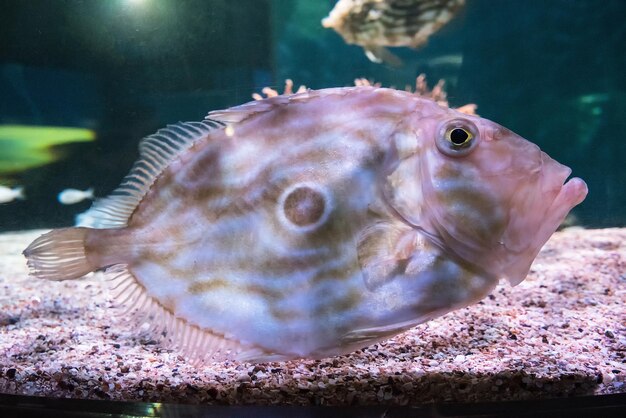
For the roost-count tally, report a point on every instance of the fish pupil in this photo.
(304, 206)
(459, 136)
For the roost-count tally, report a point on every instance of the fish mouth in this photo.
(568, 194)
(571, 194)
(574, 190)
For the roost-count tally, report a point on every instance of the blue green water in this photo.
(553, 71)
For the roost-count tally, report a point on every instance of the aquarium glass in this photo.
(551, 71)
(83, 81)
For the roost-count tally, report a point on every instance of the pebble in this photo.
(244, 377)
(466, 355)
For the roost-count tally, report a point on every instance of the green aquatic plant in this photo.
(23, 147)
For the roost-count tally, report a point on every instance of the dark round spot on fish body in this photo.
(304, 206)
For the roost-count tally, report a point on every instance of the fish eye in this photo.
(457, 138)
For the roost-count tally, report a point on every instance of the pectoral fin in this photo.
(381, 55)
(384, 250)
(366, 336)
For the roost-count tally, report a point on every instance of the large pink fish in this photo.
(313, 224)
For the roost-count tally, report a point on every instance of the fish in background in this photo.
(313, 224)
(73, 196)
(377, 24)
(8, 194)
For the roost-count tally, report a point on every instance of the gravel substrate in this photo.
(561, 332)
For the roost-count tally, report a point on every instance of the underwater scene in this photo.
(312, 202)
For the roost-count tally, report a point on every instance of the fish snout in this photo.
(553, 173)
(554, 182)
(539, 213)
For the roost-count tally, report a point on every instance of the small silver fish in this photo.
(376, 24)
(73, 196)
(8, 194)
(313, 224)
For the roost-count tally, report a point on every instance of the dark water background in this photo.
(553, 71)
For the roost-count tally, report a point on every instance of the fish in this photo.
(73, 196)
(377, 24)
(23, 147)
(313, 224)
(8, 194)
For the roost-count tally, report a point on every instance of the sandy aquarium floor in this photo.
(562, 332)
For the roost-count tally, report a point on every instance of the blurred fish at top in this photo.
(23, 147)
(73, 196)
(8, 194)
(376, 24)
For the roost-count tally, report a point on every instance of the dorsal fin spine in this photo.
(156, 152)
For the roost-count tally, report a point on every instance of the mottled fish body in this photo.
(313, 224)
(376, 24)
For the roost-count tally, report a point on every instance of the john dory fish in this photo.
(313, 224)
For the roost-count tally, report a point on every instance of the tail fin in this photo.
(19, 193)
(59, 255)
(89, 193)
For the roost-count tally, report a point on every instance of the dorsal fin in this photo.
(240, 113)
(156, 152)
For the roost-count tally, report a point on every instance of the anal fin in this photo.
(198, 344)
